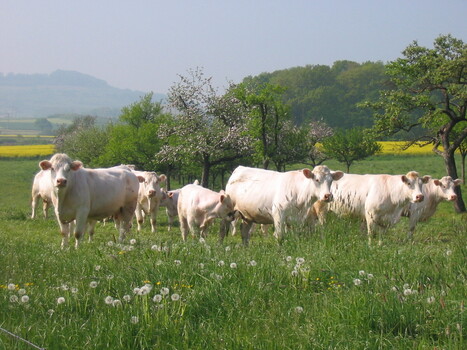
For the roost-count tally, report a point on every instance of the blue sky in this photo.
(144, 45)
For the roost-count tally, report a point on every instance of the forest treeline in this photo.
(329, 93)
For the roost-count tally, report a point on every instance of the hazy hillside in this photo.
(62, 92)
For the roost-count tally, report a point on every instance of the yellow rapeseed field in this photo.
(396, 147)
(26, 151)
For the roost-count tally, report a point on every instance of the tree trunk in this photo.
(205, 176)
(450, 164)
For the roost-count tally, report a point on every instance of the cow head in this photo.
(60, 166)
(414, 184)
(322, 178)
(151, 184)
(226, 207)
(445, 187)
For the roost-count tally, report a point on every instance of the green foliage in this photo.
(348, 146)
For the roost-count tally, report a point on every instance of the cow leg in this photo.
(225, 228)
(65, 232)
(183, 227)
(91, 226)
(45, 208)
(245, 228)
(33, 206)
(153, 215)
(80, 227)
(170, 219)
(139, 217)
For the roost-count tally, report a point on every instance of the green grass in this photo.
(343, 295)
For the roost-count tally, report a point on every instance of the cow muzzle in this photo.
(419, 198)
(60, 182)
(327, 197)
(453, 197)
(151, 193)
(231, 216)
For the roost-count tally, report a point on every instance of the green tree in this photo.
(348, 146)
(44, 125)
(429, 91)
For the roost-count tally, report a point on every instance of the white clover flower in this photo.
(233, 265)
(300, 261)
(93, 284)
(361, 273)
(127, 298)
(294, 273)
(22, 291)
(74, 290)
(430, 300)
(164, 290)
(11, 286)
(157, 298)
(134, 319)
(357, 281)
(288, 259)
(408, 291)
(252, 263)
(60, 300)
(298, 309)
(97, 267)
(175, 297)
(109, 300)
(132, 241)
(116, 303)
(221, 263)
(177, 262)
(13, 298)
(24, 299)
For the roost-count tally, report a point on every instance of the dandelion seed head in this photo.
(116, 303)
(233, 265)
(93, 284)
(177, 262)
(134, 319)
(24, 299)
(298, 309)
(430, 300)
(361, 273)
(110, 243)
(221, 263)
(357, 281)
(164, 290)
(60, 300)
(21, 291)
(253, 263)
(127, 298)
(109, 300)
(300, 261)
(11, 286)
(97, 267)
(175, 297)
(407, 291)
(157, 298)
(370, 276)
(201, 265)
(13, 298)
(74, 290)
(294, 273)
(132, 241)
(288, 259)
(50, 312)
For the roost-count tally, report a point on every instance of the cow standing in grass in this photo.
(149, 197)
(41, 190)
(170, 201)
(377, 198)
(435, 191)
(87, 195)
(270, 197)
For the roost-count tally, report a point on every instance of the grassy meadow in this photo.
(325, 290)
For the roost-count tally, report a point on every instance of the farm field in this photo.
(324, 290)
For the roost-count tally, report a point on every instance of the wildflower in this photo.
(116, 303)
(21, 291)
(157, 298)
(177, 262)
(408, 291)
(394, 289)
(221, 263)
(74, 290)
(357, 281)
(24, 299)
(146, 289)
(109, 277)
(361, 273)
(233, 265)
(134, 319)
(430, 300)
(201, 265)
(252, 263)
(298, 309)
(294, 273)
(370, 276)
(64, 287)
(175, 297)
(97, 268)
(132, 241)
(50, 312)
(288, 259)
(110, 243)
(136, 290)
(448, 252)
(300, 261)
(93, 284)
(164, 290)
(11, 286)
(227, 249)
(155, 247)
(109, 300)
(60, 300)
(13, 298)
(127, 298)
(219, 277)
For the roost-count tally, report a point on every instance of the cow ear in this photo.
(76, 165)
(170, 194)
(437, 182)
(141, 178)
(404, 179)
(337, 175)
(45, 165)
(308, 173)
(426, 178)
(222, 198)
(162, 178)
(457, 182)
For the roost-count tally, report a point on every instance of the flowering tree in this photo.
(209, 128)
(318, 131)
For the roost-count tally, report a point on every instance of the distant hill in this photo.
(62, 92)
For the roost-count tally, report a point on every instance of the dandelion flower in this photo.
(408, 291)
(97, 267)
(74, 290)
(93, 284)
(370, 276)
(233, 265)
(300, 261)
(116, 303)
(175, 297)
(13, 298)
(24, 299)
(60, 300)
(201, 265)
(157, 298)
(50, 312)
(294, 273)
(361, 273)
(136, 290)
(134, 319)
(221, 263)
(430, 300)
(127, 298)
(155, 247)
(11, 286)
(110, 243)
(298, 309)
(288, 259)
(177, 262)
(164, 290)
(357, 281)
(132, 241)
(64, 287)
(109, 300)
(22, 291)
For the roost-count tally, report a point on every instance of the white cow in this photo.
(149, 197)
(270, 197)
(377, 198)
(87, 195)
(198, 207)
(435, 191)
(170, 201)
(41, 189)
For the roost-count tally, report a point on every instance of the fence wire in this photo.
(22, 339)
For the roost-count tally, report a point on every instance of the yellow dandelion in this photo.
(146, 281)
